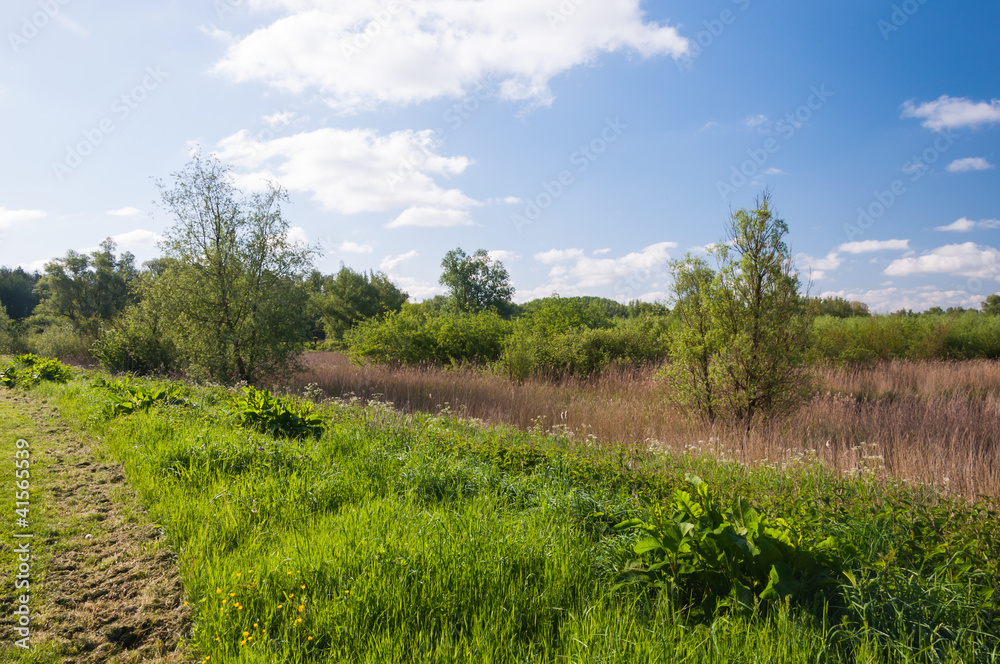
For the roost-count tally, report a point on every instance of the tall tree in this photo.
(749, 325)
(692, 343)
(476, 282)
(86, 290)
(991, 305)
(350, 297)
(231, 281)
(17, 291)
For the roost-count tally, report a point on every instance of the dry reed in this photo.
(928, 422)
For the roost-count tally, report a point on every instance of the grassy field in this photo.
(931, 422)
(397, 537)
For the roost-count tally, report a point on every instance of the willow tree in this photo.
(742, 330)
(231, 280)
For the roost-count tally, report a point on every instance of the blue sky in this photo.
(584, 142)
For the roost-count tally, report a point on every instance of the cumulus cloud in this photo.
(964, 225)
(137, 238)
(355, 248)
(953, 112)
(10, 217)
(969, 164)
(366, 53)
(573, 272)
(390, 263)
(965, 260)
(870, 246)
(358, 170)
(502, 255)
(125, 212)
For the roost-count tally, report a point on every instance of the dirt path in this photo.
(105, 585)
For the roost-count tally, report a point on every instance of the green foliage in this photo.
(17, 292)
(701, 555)
(555, 315)
(742, 331)
(30, 369)
(531, 350)
(126, 396)
(231, 282)
(350, 297)
(837, 307)
(991, 305)
(409, 337)
(968, 335)
(261, 410)
(61, 340)
(136, 342)
(477, 282)
(9, 337)
(83, 291)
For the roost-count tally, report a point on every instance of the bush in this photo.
(28, 370)
(414, 337)
(62, 341)
(127, 397)
(134, 343)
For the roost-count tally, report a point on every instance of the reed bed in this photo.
(932, 422)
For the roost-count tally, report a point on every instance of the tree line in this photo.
(231, 298)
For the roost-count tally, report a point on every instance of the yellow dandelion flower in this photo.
(218, 590)
(280, 605)
(238, 575)
(289, 573)
(232, 594)
(299, 620)
(301, 608)
(255, 624)
(224, 601)
(246, 633)
(302, 587)
(310, 638)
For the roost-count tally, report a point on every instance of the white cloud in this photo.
(774, 171)
(819, 266)
(125, 212)
(969, 164)
(502, 255)
(278, 119)
(964, 225)
(10, 217)
(953, 112)
(390, 263)
(431, 218)
(363, 54)
(355, 248)
(137, 238)
(296, 236)
(573, 272)
(359, 170)
(756, 121)
(601, 252)
(870, 246)
(966, 260)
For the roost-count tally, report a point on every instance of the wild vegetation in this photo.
(403, 538)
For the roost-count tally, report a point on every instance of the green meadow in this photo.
(346, 531)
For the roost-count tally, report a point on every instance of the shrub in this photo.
(134, 343)
(61, 341)
(30, 369)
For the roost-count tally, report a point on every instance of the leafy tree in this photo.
(692, 348)
(837, 307)
(748, 325)
(86, 290)
(991, 305)
(476, 282)
(17, 292)
(231, 285)
(350, 297)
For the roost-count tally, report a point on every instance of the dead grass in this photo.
(928, 422)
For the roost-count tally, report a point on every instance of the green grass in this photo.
(396, 538)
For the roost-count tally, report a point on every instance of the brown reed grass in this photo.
(931, 422)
